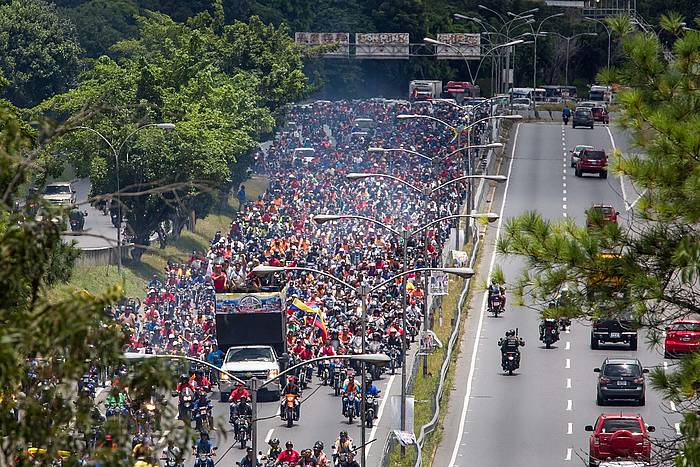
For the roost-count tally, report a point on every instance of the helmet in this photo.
(289, 444)
(552, 304)
(510, 333)
(318, 445)
(343, 434)
(183, 378)
(274, 442)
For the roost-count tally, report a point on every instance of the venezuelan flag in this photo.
(298, 305)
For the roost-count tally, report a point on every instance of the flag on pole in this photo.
(318, 321)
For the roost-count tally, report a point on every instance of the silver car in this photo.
(576, 153)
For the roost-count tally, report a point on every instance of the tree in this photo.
(651, 266)
(220, 84)
(39, 51)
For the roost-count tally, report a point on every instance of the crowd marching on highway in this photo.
(177, 316)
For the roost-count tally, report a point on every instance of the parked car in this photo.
(600, 114)
(522, 103)
(621, 378)
(59, 193)
(592, 161)
(619, 435)
(682, 336)
(582, 117)
(601, 214)
(577, 151)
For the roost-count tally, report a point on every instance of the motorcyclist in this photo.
(549, 323)
(238, 392)
(242, 409)
(566, 114)
(320, 456)
(201, 382)
(116, 402)
(343, 444)
(371, 389)
(511, 343)
(350, 387)
(306, 459)
(185, 382)
(497, 290)
(203, 401)
(275, 448)
(204, 446)
(349, 460)
(173, 454)
(249, 459)
(292, 387)
(288, 455)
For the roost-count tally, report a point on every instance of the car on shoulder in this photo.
(522, 103)
(614, 330)
(59, 194)
(682, 337)
(577, 151)
(600, 114)
(619, 435)
(601, 214)
(582, 117)
(592, 161)
(621, 379)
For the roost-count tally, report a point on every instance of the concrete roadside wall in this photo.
(101, 256)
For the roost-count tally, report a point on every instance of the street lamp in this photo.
(440, 156)
(607, 29)
(363, 292)
(568, 42)
(535, 33)
(116, 152)
(372, 358)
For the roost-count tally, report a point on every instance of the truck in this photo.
(460, 90)
(422, 90)
(251, 331)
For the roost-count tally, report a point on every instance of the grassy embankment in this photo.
(97, 278)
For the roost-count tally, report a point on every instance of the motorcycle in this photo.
(325, 373)
(309, 373)
(566, 119)
(564, 323)
(289, 413)
(511, 363)
(369, 411)
(394, 359)
(349, 404)
(550, 336)
(339, 373)
(202, 418)
(204, 459)
(185, 404)
(302, 379)
(496, 305)
(242, 429)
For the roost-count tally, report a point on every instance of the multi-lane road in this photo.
(537, 417)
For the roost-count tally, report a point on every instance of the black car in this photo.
(621, 378)
(613, 330)
(582, 117)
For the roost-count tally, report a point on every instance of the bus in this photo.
(540, 94)
(600, 93)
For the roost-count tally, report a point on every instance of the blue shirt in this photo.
(216, 358)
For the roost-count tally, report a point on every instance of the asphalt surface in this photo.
(99, 231)
(537, 416)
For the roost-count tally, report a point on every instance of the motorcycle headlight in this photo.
(223, 376)
(274, 373)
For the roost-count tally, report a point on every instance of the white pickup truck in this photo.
(247, 362)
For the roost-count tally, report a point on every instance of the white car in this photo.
(576, 152)
(59, 193)
(522, 103)
(251, 361)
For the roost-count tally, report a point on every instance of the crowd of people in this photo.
(277, 228)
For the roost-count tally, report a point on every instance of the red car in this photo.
(601, 214)
(592, 161)
(619, 436)
(682, 336)
(600, 114)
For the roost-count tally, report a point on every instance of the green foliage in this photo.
(39, 51)
(650, 266)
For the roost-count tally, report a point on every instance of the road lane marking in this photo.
(677, 426)
(563, 177)
(570, 428)
(568, 345)
(568, 363)
(269, 435)
(564, 191)
(569, 403)
(475, 349)
(564, 214)
(568, 383)
(665, 365)
(565, 206)
(563, 184)
(564, 198)
(568, 330)
(380, 413)
(673, 406)
(568, 454)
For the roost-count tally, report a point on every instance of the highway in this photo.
(99, 231)
(537, 417)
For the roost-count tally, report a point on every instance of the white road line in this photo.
(269, 435)
(563, 170)
(568, 454)
(665, 365)
(380, 413)
(564, 198)
(564, 206)
(563, 191)
(568, 345)
(475, 350)
(563, 177)
(568, 330)
(569, 404)
(569, 428)
(677, 426)
(568, 383)
(673, 406)
(563, 184)
(564, 214)
(568, 363)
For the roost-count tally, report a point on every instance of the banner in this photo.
(381, 45)
(460, 258)
(439, 283)
(326, 38)
(261, 302)
(463, 46)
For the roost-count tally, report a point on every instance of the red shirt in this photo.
(238, 393)
(288, 456)
(219, 281)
